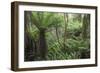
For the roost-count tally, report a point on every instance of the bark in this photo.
(42, 45)
(86, 23)
(84, 27)
(29, 43)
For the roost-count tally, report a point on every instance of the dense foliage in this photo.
(56, 36)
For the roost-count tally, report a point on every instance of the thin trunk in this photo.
(26, 38)
(58, 37)
(65, 31)
(88, 26)
(85, 26)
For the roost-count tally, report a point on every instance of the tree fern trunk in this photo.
(42, 45)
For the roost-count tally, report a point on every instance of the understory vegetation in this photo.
(56, 36)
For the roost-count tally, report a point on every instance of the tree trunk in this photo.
(42, 45)
(57, 34)
(65, 30)
(88, 26)
(86, 23)
(26, 38)
(29, 42)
